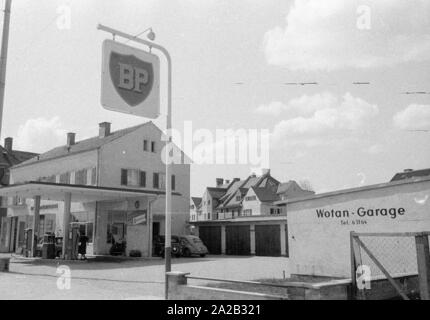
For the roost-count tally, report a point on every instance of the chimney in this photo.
(104, 129)
(219, 182)
(8, 144)
(266, 171)
(406, 170)
(71, 138)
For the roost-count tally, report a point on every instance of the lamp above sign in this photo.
(130, 80)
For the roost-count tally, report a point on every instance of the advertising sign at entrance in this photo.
(130, 80)
(139, 219)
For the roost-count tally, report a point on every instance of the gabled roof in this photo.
(243, 185)
(232, 188)
(265, 194)
(11, 158)
(197, 201)
(82, 146)
(411, 174)
(283, 187)
(216, 193)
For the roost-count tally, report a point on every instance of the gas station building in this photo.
(112, 186)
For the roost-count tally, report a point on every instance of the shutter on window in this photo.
(123, 177)
(155, 181)
(173, 182)
(143, 179)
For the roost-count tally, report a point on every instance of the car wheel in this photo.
(187, 252)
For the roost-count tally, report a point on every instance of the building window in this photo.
(65, 178)
(152, 146)
(209, 216)
(145, 145)
(247, 212)
(18, 201)
(143, 179)
(162, 178)
(93, 176)
(192, 206)
(155, 180)
(131, 177)
(275, 211)
(238, 198)
(81, 177)
(251, 198)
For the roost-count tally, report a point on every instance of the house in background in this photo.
(116, 184)
(240, 217)
(8, 158)
(410, 174)
(195, 208)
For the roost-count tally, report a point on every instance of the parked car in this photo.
(192, 245)
(158, 246)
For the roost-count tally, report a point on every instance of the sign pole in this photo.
(3, 58)
(168, 208)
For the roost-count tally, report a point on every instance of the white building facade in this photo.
(128, 159)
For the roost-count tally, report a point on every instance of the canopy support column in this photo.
(66, 224)
(36, 222)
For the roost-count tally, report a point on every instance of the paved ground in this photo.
(125, 279)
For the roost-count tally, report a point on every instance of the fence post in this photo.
(353, 267)
(423, 259)
(174, 280)
(356, 293)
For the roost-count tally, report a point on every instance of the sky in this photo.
(239, 65)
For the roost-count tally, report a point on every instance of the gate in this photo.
(238, 240)
(268, 240)
(397, 258)
(211, 237)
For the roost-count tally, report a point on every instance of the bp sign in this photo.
(130, 80)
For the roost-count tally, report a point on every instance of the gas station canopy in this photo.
(79, 193)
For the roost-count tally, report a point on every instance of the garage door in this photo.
(238, 240)
(268, 240)
(211, 237)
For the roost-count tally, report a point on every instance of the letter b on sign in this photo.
(131, 78)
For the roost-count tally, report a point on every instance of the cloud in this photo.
(374, 149)
(321, 116)
(337, 34)
(40, 135)
(414, 117)
(303, 105)
(273, 109)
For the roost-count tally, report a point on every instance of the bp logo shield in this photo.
(130, 80)
(132, 77)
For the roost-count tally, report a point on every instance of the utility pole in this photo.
(3, 56)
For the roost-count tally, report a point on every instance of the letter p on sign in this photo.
(130, 80)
